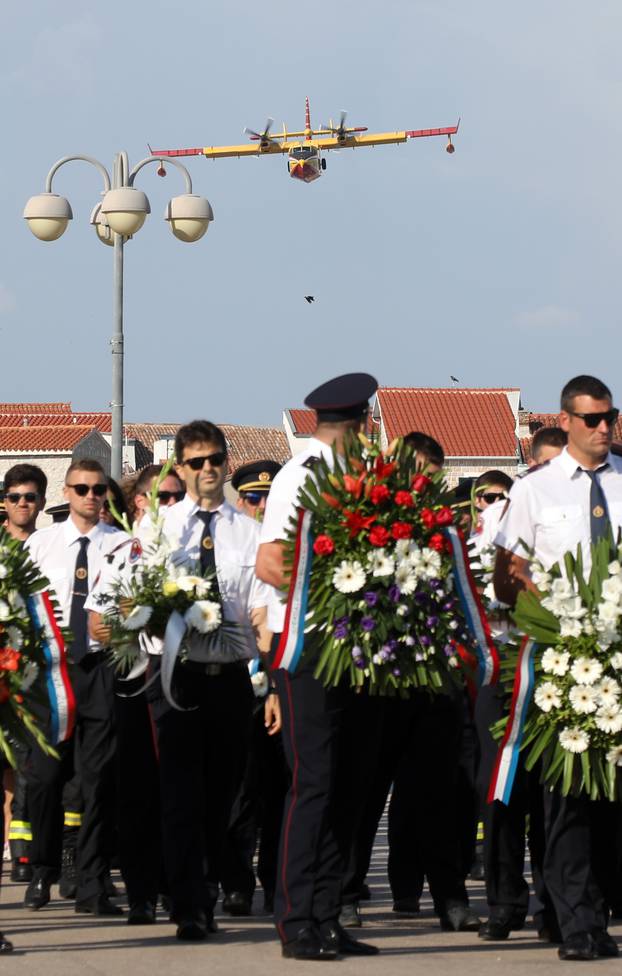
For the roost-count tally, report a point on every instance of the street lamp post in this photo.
(121, 213)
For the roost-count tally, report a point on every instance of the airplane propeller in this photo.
(263, 137)
(340, 130)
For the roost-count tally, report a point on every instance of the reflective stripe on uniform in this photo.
(480, 831)
(20, 830)
(72, 819)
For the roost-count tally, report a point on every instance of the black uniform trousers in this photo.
(92, 681)
(507, 891)
(581, 860)
(257, 814)
(20, 821)
(203, 751)
(138, 797)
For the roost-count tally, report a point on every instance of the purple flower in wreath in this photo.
(424, 640)
(341, 627)
(371, 598)
(396, 672)
(448, 650)
(367, 624)
(432, 621)
(394, 593)
(434, 584)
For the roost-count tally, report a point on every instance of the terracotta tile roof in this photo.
(303, 421)
(37, 408)
(40, 439)
(467, 422)
(148, 434)
(101, 420)
(254, 443)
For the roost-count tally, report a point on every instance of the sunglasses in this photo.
(253, 497)
(592, 420)
(14, 497)
(216, 460)
(98, 490)
(165, 496)
(490, 497)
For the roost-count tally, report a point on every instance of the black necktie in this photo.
(77, 616)
(599, 519)
(208, 557)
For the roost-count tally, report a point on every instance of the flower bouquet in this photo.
(377, 589)
(22, 644)
(568, 674)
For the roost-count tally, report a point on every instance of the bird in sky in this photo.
(454, 379)
(309, 298)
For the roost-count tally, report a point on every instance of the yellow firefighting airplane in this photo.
(305, 160)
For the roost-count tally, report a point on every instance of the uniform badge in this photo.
(598, 511)
(136, 551)
(208, 542)
(81, 573)
(264, 476)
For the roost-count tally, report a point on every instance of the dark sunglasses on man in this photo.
(165, 496)
(217, 459)
(253, 497)
(490, 497)
(592, 420)
(99, 490)
(14, 497)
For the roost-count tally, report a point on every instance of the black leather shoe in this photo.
(237, 903)
(192, 928)
(21, 872)
(458, 917)
(406, 907)
(350, 916)
(5, 945)
(68, 884)
(141, 913)
(333, 936)
(308, 945)
(579, 947)
(97, 905)
(498, 927)
(606, 947)
(37, 894)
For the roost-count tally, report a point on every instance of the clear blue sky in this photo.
(497, 264)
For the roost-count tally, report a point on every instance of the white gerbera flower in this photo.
(616, 661)
(608, 692)
(203, 616)
(137, 618)
(574, 740)
(555, 662)
(406, 579)
(547, 696)
(407, 549)
(583, 699)
(609, 719)
(380, 563)
(612, 589)
(586, 670)
(349, 577)
(189, 583)
(614, 756)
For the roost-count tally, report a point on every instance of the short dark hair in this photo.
(426, 446)
(86, 464)
(494, 477)
(548, 437)
(198, 431)
(21, 474)
(583, 386)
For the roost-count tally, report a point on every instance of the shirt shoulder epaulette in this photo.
(533, 469)
(310, 463)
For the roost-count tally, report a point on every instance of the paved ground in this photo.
(56, 942)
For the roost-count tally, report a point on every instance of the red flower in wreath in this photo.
(379, 494)
(9, 659)
(404, 498)
(331, 500)
(379, 536)
(444, 516)
(354, 486)
(437, 541)
(356, 522)
(382, 469)
(401, 530)
(428, 518)
(420, 482)
(323, 545)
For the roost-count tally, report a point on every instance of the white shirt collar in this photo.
(570, 465)
(72, 532)
(316, 445)
(192, 507)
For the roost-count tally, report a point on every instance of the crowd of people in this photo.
(262, 775)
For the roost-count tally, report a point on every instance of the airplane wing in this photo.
(382, 138)
(219, 152)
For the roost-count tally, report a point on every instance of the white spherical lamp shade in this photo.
(125, 210)
(47, 215)
(189, 216)
(101, 225)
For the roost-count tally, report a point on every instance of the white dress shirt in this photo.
(55, 550)
(236, 538)
(281, 508)
(549, 510)
(487, 526)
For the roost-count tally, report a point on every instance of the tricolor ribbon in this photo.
(504, 773)
(472, 608)
(60, 692)
(289, 650)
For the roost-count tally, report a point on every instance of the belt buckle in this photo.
(213, 670)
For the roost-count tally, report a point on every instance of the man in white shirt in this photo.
(311, 865)
(203, 748)
(70, 554)
(570, 500)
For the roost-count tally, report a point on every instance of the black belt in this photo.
(213, 670)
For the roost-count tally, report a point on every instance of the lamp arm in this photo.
(156, 159)
(85, 159)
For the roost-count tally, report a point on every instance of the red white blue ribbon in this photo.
(60, 693)
(472, 608)
(506, 764)
(289, 650)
